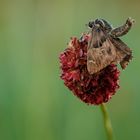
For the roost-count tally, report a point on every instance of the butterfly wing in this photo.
(123, 52)
(101, 52)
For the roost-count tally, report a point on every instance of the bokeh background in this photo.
(34, 103)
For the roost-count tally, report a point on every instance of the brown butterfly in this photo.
(104, 46)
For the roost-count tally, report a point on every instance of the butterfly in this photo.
(105, 47)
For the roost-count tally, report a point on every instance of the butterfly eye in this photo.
(90, 24)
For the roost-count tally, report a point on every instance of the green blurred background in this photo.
(34, 103)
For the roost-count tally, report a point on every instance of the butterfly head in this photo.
(100, 24)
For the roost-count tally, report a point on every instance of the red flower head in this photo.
(92, 89)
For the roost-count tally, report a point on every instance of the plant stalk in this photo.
(107, 122)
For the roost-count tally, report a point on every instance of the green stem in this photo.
(107, 122)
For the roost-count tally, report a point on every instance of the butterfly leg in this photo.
(122, 30)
